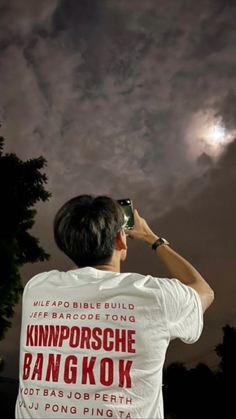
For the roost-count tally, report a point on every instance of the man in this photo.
(93, 339)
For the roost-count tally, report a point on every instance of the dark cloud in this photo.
(214, 30)
(84, 17)
(21, 19)
(101, 31)
(204, 160)
(227, 110)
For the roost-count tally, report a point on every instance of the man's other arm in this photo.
(180, 268)
(177, 266)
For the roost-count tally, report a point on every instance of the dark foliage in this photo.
(21, 187)
(200, 392)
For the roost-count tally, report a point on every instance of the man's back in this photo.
(93, 342)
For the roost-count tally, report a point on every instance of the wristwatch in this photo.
(159, 242)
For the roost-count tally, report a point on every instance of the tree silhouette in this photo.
(227, 351)
(190, 393)
(226, 375)
(200, 392)
(174, 391)
(21, 186)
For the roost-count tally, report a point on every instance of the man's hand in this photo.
(141, 230)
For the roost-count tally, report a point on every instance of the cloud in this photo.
(227, 110)
(105, 82)
(21, 18)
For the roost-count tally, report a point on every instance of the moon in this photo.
(216, 134)
(207, 133)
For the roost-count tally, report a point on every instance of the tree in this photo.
(226, 376)
(227, 350)
(190, 393)
(175, 389)
(200, 392)
(21, 186)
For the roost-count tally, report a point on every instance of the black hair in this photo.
(85, 228)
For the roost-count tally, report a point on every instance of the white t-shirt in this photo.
(93, 342)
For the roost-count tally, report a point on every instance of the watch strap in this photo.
(159, 242)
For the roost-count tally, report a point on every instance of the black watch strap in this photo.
(158, 242)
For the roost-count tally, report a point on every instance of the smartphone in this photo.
(127, 207)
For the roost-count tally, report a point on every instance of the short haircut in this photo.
(85, 228)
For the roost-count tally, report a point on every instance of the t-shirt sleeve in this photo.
(183, 310)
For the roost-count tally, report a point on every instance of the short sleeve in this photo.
(183, 310)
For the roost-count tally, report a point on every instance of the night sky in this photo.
(130, 99)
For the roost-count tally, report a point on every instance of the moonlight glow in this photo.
(216, 134)
(206, 133)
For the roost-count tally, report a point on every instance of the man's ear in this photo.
(120, 242)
